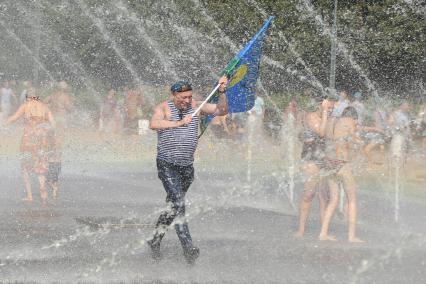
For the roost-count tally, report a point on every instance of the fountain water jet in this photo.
(144, 36)
(106, 35)
(25, 47)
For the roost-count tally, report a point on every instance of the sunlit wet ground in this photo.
(110, 197)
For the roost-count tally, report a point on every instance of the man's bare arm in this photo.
(159, 121)
(219, 109)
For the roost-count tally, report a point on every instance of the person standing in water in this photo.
(177, 131)
(313, 152)
(109, 114)
(38, 122)
(341, 137)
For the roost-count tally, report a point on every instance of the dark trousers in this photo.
(176, 181)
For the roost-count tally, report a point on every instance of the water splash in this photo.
(307, 7)
(74, 64)
(107, 36)
(313, 79)
(143, 35)
(26, 48)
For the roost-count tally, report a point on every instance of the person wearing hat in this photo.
(176, 123)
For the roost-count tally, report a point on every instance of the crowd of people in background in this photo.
(333, 133)
(376, 123)
(330, 131)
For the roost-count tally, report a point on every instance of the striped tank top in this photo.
(177, 145)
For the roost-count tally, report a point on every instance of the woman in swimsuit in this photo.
(315, 124)
(340, 139)
(38, 122)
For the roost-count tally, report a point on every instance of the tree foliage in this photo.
(119, 42)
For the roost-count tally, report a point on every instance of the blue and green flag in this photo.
(243, 71)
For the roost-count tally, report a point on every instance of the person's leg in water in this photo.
(43, 192)
(308, 195)
(27, 184)
(323, 197)
(168, 176)
(176, 181)
(333, 189)
(350, 188)
(186, 176)
(52, 178)
(54, 185)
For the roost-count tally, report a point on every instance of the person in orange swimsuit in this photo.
(38, 123)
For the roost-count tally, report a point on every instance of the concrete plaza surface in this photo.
(96, 230)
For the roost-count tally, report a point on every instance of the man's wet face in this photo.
(183, 100)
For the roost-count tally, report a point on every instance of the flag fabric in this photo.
(243, 71)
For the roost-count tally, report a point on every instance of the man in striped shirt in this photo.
(176, 124)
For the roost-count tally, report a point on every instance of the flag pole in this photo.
(206, 100)
(230, 68)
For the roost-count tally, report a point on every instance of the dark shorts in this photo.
(54, 171)
(176, 180)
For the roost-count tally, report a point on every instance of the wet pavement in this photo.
(97, 229)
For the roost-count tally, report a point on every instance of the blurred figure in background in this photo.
(109, 114)
(7, 96)
(133, 101)
(341, 104)
(255, 120)
(61, 104)
(38, 122)
(421, 126)
(291, 113)
(239, 126)
(54, 160)
(219, 126)
(258, 108)
(23, 96)
(381, 135)
(359, 107)
(399, 123)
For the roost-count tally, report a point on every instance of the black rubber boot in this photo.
(191, 254)
(154, 244)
